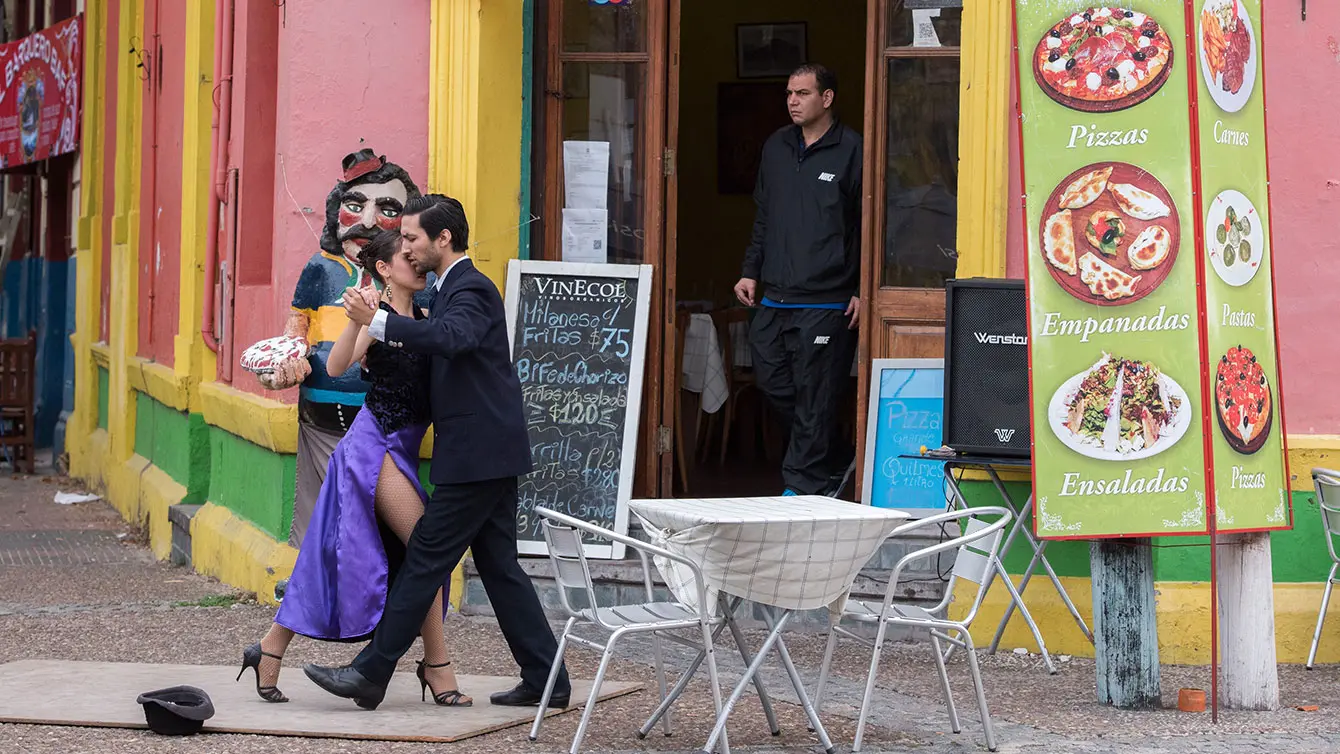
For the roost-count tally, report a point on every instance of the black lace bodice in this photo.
(398, 396)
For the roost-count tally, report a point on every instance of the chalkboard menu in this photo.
(578, 334)
(905, 414)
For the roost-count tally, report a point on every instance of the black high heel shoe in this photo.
(453, 698)
(251, 658)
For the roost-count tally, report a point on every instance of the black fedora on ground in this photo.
(176, 711)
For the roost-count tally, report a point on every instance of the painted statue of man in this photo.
(369, 197)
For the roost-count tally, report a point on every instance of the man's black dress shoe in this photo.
(525, 696)
(348, 683)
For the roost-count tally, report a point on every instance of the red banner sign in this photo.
(40, 93)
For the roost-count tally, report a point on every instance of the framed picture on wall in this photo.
(769, 50)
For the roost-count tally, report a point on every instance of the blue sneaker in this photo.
(789, 493)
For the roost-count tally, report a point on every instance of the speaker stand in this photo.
(1039, 547)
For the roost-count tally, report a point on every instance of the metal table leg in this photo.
(774, 640)
(719, 730)
(670, 698)
(799, 685)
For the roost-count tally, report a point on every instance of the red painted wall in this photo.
(160, 187)
(345, 71)
(1302, 76)
(112, 63)
(246, 234)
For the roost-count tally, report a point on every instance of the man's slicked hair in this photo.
(438, 212)
(826, 78)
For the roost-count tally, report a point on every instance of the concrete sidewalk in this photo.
(76, 584)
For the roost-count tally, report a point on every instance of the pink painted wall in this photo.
(1302, 75)
(347, 70)
(1303, 101)
(160, 184)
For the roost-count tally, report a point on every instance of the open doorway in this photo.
(734, 61)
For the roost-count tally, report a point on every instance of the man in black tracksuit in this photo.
(805, 251)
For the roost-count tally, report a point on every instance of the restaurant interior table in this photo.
(785, 553)
(958, 462)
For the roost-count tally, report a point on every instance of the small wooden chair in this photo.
(739, 380)
(681, 458)
(18, 365)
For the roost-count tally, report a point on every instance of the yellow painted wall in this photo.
(88, 255)
(1183, 610)
(475, 120)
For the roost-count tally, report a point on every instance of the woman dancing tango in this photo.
(369, 503)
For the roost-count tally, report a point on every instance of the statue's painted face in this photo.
(366, 208)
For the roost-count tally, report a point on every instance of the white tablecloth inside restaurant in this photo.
(796, 553)
(704, 370)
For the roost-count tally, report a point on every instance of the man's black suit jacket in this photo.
(479, 426)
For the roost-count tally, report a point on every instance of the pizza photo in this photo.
(1109, 234)
(1228, 53)
(1120, 410)
(1103, 59)
(1242, 400)
(1234, 238)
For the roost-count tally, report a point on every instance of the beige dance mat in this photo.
(102, 695)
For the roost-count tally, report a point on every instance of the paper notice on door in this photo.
(586, 174)
(923, 25)
(584, 235)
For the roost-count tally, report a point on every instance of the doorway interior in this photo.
(735, 59)
(680, 95)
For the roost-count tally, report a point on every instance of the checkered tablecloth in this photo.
(704, 369)
(796, 553)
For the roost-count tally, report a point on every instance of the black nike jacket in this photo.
(806, 245)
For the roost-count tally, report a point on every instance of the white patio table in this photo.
(787, 553)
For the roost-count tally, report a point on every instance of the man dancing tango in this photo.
(480, 447)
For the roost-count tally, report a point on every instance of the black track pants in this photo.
(802, 361)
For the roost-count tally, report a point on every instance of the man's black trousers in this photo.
(480, 516)
(802, 361)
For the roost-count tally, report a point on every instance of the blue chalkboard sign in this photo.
(905, 413)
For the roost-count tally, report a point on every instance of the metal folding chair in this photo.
(977, 549)
(572, 574)
(1327, 485)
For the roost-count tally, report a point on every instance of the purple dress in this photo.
(348, 558)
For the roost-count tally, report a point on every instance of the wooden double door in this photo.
(610, 72)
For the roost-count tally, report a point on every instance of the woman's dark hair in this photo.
(437, 213)
(382, 248)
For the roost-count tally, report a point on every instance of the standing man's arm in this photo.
(747, 289)
(854, 201)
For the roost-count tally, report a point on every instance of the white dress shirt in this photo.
(377, 328)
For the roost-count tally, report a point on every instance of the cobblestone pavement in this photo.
(76, 583)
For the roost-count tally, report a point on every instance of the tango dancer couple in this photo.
(379, 550)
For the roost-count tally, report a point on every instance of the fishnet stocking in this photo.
(398, 505)
(275, 642)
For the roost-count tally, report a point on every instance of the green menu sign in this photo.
(1120, 315)
(1250, 482)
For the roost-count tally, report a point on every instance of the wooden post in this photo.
(1247, 623)
(1125, 633)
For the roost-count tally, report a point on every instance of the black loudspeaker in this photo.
(986, 367)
